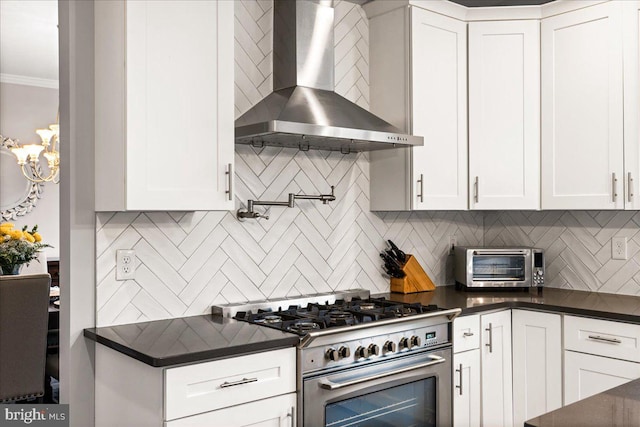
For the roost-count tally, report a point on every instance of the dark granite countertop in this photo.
(619, 406)
(189, 339)
(198, 338)
(623, 308)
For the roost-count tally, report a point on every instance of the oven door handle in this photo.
(330, 385)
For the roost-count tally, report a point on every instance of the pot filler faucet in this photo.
(250, 213)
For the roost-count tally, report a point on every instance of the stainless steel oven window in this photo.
(404, 405)
(414, 390)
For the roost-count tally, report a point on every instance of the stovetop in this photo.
(314, 316)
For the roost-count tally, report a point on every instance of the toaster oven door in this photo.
(493, 268)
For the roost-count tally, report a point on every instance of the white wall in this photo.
(23, 109)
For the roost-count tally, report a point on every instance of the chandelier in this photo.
(28, 155)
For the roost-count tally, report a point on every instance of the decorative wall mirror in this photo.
(19, 195)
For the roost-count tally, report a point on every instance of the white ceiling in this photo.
(29, 42)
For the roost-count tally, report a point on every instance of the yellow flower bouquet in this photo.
(18, 247)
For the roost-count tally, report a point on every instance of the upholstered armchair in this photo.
(24, 302)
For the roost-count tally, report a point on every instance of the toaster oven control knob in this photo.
(374, 350)
(332, 354)
(344, 352)
(361, 352)
(415, 341)
(389, 347)
(404, 343)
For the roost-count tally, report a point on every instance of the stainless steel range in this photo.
(364, 361)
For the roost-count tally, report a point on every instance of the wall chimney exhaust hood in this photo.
(303, 111)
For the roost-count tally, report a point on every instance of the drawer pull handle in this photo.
(490, 344)
(239, 382)
(605, 339)
(467, 334)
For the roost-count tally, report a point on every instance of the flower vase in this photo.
(11, 270)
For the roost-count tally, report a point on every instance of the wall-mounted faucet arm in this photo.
(250, 213)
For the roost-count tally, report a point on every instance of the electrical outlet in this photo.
(619, 248)
(125, 264)
(453, 241)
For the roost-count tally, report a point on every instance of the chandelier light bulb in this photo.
(21, 154)
(45, 135)
(33, 150)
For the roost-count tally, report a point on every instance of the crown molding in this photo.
(29, 81)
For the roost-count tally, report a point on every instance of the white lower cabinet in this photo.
(257, 389)
(466, 389)
(537, 364)
(273, 412)
(466, 371)
(599, 355)
(495, 351)
(586, 374)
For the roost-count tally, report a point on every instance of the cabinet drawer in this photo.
(602, 337)
(275, 411)
(204, 387)
(466, 333)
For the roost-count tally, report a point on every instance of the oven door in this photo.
(500, 268)
(414, 390)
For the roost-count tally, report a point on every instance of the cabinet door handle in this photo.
(239, 382)
(490, 343)
(467, 334)
(421, 194)
(605, 339)
(614, 186)
(630, 187)
(292, 414)
(476, 189)
(459, 371)
(229, 172)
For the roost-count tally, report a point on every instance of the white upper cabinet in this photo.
(631, 46)
(419, 84)
(504, 115)
(164, 127)
(582, 109)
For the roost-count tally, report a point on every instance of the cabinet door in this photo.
(537, 364)
(164, 125)
(497, 390)
(586, 375)
(504, 115)
(466, 390)
(277, 411)
(631, 45)
(582, 115)
(439, 111)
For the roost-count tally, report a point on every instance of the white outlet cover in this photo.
(619, 248)
(126, 264)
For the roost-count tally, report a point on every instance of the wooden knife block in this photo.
(416, 280)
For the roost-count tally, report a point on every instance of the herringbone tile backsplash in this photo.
(189, 261)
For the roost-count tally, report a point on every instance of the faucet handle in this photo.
(259, 215)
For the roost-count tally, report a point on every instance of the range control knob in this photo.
(389, 347)
(332, 354)
(404, 343)
(415, 341)
(344, 351)
(361, 352)
(374, 350)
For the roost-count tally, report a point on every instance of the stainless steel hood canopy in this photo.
(303, 111)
